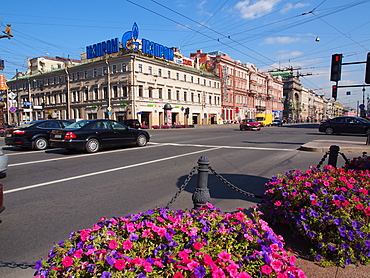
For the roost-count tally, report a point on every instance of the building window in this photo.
(124, 67)
(124, 91)
(86, 94)
(192, 79)
(105, 92)
(95, 74)
(140, 90)
(177, 76)
(150, 92)
(185, 77)
(115, 91)
(140, 67)
(160, 72)
(105, 71)
(185, 96)
(85, 74)
(198, 80)
(169, 94)
(177, 95)
(114, 68)
(210, 83)
(160, 93)
(96, 93)
(169, 74)
(78, 76)
(150, 70)
(192, 97)
(210, 99)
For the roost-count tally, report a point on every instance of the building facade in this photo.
(246, 90)
(117, 86)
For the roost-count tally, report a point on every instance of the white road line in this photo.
(104, 172)
(153, 145)
(77, 156)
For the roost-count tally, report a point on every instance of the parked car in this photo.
(93, 135)
(277, 122)
(33, 135)
(133, 123)
(4, 159)
(1, 199)
(250, 124)
(345, 124)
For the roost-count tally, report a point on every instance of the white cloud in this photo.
(289, 55)
(281, 40)
(290, 6)
(257, 9)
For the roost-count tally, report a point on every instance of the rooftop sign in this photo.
(131, 43)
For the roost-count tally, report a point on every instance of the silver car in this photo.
(3, 161)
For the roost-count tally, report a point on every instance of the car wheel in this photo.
(40, 143)
(92, 145)
(141, 140)
(241, 128)
(329, 131)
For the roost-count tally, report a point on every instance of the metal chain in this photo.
(322, 160)
(233, 186)
(182, 187)
(345, 158)
(22, 265)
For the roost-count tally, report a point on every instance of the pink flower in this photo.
(360, 206)
(178, 275)
(130, 227)
(224, 256)
(127, 245)
(197, 245)
(67, 261)
(278, 203)
(120, 264)
(266, 269)
(243, 275)
(113, 244)
(218, 273)
(367, 211)
(308, 184)
(276, 265)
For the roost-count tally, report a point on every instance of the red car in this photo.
(249, 124)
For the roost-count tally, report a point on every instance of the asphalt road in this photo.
(50, 193)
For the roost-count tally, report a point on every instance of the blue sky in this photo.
(271, 34)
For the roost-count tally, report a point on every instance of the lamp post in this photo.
(109, 108)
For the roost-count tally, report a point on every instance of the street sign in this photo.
(348, 93)
(362, 106)
(27, 103)
(12, 109)
(12, 95)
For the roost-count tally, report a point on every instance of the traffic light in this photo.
(367, 72)
(334, 92)
(336, 67)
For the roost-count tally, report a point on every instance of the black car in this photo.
(133, 123)
(92, 135)
(345, 124)
(34, 135)
(277, 122)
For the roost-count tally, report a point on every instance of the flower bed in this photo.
(169, 243)
(155, 126)
(329, 206)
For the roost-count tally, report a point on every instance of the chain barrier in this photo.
(233, 186)
(326, 155)
(22, 265)
(182, 187)
(322, 160)
(344, 157)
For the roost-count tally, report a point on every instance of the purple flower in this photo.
(200, 271)
(318, 257)
(141, 275)
(38, 265)
(133, 237)
(331, 248)
(105, 275)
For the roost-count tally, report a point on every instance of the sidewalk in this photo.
(345, 146)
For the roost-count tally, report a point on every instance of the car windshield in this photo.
(250, 121)
(77, 125)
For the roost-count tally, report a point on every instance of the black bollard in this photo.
(201, 194)
(368, 138)
(333, 155)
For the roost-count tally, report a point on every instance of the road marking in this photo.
(105, 171)
(153, 145)
(77, 156)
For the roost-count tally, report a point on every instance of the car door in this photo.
(123, 135)
(339, 124)
(104, 133)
